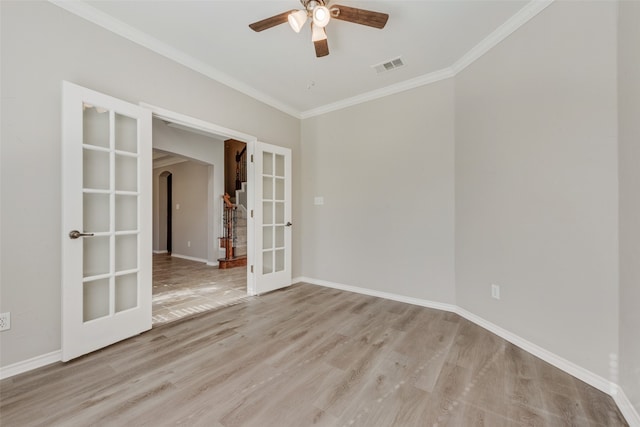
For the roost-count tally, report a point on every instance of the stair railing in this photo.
(229, 221)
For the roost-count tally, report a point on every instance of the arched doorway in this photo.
(165, 202)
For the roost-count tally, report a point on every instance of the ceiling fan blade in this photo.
(359, 16)
(265, 24)
(322, 48)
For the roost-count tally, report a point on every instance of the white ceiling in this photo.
(279, 67)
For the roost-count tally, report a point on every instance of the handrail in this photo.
(227, 200)
(240, 154)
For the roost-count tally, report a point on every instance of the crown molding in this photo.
(130, 33)
(164, 162)
(106, 21)
(502, 32)
(379, 93)
(523, 16)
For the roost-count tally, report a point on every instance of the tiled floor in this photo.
(182, 288)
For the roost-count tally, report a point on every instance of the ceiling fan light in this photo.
(321, 16)
(318, 33)
(297, 20)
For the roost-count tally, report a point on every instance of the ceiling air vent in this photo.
(389, 65)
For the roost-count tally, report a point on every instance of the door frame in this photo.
(250, 140)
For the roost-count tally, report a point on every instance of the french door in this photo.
(106, 232)
(273, 227)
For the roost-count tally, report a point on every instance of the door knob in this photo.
(74, 234)
(288, 224)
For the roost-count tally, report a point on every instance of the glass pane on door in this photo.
(126, 252)
(95, 126)
(95, 259)
(279, 260)
(126, 292)
(267, 163)
(126, 173)
(95, 169)
(126, 213)
(110, 211)
(267, 262)
(126, 137)
(96, 299)
(96, 212)
(279, 165)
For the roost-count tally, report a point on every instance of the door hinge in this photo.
(251, 213)
(252, 158)
(252, 268)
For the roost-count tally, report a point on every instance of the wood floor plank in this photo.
(302, 356)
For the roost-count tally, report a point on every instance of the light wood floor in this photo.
(303, 356)
(182, 288)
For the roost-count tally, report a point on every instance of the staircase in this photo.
(240, 236)
(234, 237)
(234, 219)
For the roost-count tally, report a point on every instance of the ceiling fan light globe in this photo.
(321, 16)
(297, 19)
(318, 33)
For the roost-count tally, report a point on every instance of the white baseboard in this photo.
(379, 294)
(190, 258)
(30, 364)
(571, 368)
(628, 410)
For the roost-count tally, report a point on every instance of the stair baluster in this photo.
(229, 239)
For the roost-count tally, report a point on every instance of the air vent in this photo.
(389, 65)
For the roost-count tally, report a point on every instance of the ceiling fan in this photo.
(320, 13)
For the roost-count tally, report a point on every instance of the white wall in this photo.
(41, 46)
(536, 183)
(629, 158)
(385, 170)
(534, 123)
(201, 148)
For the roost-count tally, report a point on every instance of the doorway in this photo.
(165, 194)
(188, 180)
(268, 202)
(114, 209)
(168, 210)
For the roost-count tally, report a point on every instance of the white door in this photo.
(106, 225)
(272, 260)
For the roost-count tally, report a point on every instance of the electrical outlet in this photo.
(5, 321)
(188, 243)
(495, 291)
